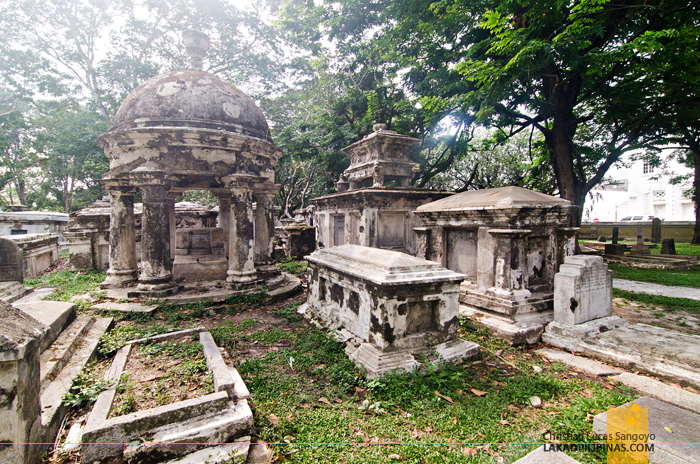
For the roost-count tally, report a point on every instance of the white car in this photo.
(637, 218)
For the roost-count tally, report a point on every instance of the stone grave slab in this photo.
(659, 390)
(579, 362)
(679, 446)
(394, 305)
(124, 307)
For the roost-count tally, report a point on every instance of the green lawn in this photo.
(313, 404)
(657, 276)
(667, 303)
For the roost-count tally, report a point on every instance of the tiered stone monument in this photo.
(388, 306)
(375, 206)
(582, 302)
(509, 242)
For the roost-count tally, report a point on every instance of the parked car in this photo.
(637, 218)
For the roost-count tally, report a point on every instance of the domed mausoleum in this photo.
(180, 131)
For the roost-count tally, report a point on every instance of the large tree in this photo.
(576, 71)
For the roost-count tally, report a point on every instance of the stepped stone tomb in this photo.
(173, 430)
(388, 306)
(39, 252)
(190, 130)
(374, 207)
(509, 243)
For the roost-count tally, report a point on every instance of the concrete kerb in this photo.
(105, 437)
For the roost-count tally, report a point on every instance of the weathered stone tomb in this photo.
(189, 130)
(509, 242)
(391, 306)
(377, 208)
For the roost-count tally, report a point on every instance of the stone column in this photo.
(265, 230)
(241, 256)
(224, 217)
(156, 279)
(122, 237)
(172, 196)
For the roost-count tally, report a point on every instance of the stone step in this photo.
(12, 291)
(181, 438)
(55, 315)
(55, 357)
(659, 390)
(236, 452)
(52, 411)
(675, 432)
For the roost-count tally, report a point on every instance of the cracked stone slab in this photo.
(124, 307)
(659, 390)
(586, 365)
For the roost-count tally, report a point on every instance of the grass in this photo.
(657, 276)
(69, 283)
(293, 266)
(666, 303)
(681, 249)
(313, 404)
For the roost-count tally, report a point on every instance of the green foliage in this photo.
(68, 283)
(289, 312)
(668, 304)
(689, 278)
(85, 389)
(293, 266)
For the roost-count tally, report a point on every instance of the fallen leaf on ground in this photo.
(454, 420)
(446, 398)
(324, 400)
(505, 422)
(514, 409)
(155, 376)
(428, 429)
(469, 451)
(478, 392)
(459, 392)
(338, 400)
(274, 420)
(416, 433)
(668, 429)
(395, 456)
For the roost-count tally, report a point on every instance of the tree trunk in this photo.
(696, 194)
(21, 188)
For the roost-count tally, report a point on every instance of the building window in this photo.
(648, 168)
(18, 232)
(659, 194)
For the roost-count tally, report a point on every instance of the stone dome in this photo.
(192, 99)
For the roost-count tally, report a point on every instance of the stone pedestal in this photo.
(640, 248)
(389, 306)
(122, 238)
(582, 301)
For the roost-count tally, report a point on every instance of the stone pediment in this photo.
(383, 267)
(496, 198)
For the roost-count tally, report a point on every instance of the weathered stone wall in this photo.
(39, 252)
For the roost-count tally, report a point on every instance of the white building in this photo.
(642, 190)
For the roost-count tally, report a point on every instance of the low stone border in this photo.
(105, 438)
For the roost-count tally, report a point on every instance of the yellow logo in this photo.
(628, 435)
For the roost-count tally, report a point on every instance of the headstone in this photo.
(582, 290)
(615, 235)
(616, 249)
(11, 261)
(640, 248)
(601, 238)
(656, 230)
(668, 246)
(582, 301)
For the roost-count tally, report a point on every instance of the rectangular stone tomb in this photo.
(389, 306)
(172, 430)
